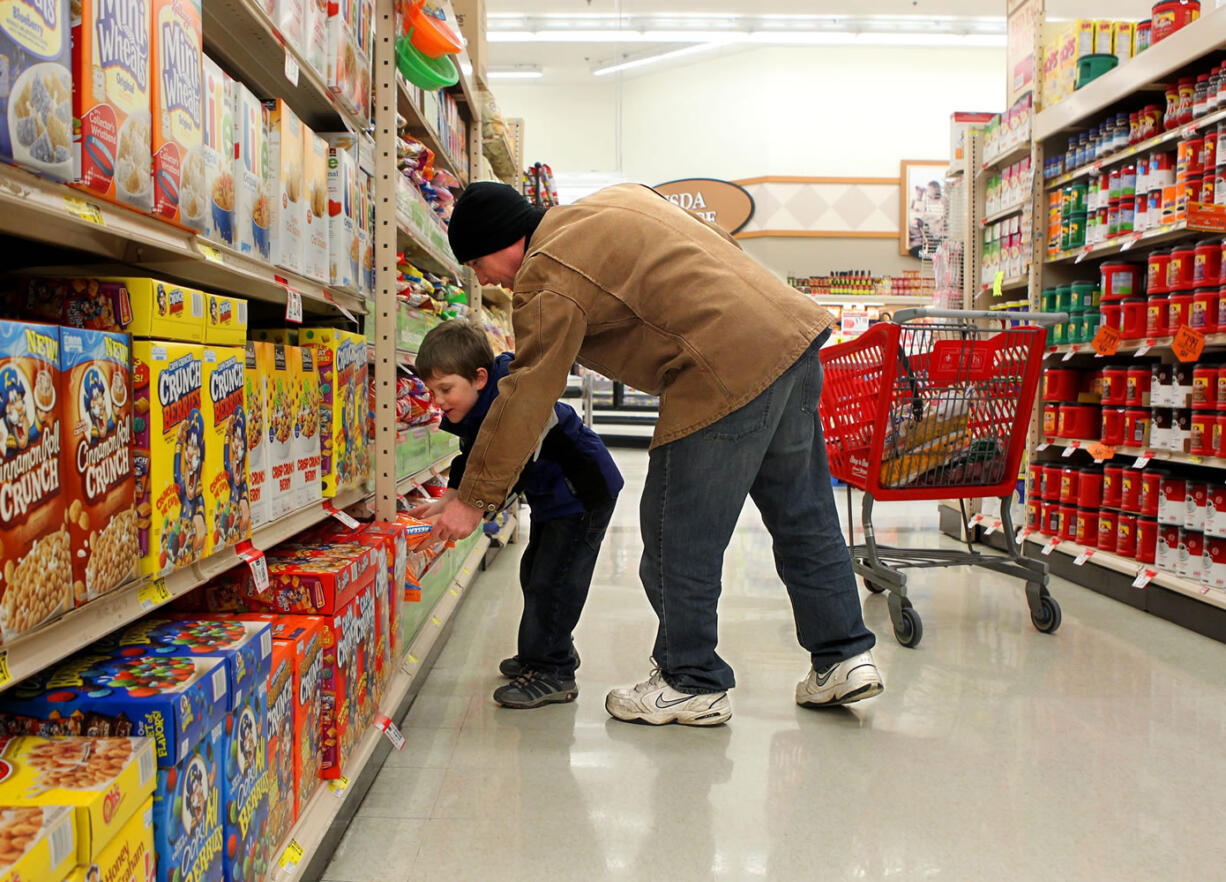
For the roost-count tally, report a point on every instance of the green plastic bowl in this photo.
(1091, 67)
(423, 71)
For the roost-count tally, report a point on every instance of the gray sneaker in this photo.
(512, 667)
(848, 681)
(531, 689)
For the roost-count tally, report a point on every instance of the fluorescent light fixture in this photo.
(522, 72)
(466, 68)
(655, 59)
(763, 38)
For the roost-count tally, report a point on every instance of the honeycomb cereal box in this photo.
(138, 306)
(225, 323)
(226, 476)
(102, 781)
(306, 442)
(36, 582)
(188, 833)
(211, 210)
(36, 842)
(36, 103)
(343, 206)
(303, 637)
(96, 461)
(281, 415)
(315, 150)
(111, 105)
(255, 375)
(171, 454)
(252, 205)
(340, 358)
(128, 857)
(286, 154)
(180, 184)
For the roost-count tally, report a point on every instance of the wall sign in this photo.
(722, 203)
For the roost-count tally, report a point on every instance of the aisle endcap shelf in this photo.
(1010, 155)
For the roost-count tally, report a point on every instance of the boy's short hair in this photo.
(454, 347)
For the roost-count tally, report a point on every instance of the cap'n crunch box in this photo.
(286, 154)
(340, 360)
(343, 206)
(36, 843)
(188, 833)
(252, 183)
(36, 582)
(281, 739)
(171, 454)
(178, 99)
(226, 476)
(36, 104)
(225, 322)
(255, 375)
(305, 636)
(111, 103)
(315, 580)
(249, 786)
(96, 461)
(315, 192)
(103, 781)
(348, 686)
(282, 413)
(211, 211)
(137, 306)
(306, 443)
(128, 856)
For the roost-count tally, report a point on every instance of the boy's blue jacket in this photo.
(574, 472)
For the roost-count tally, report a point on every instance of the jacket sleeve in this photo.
(456, 473)
(549, 330)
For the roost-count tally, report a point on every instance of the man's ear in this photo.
(483, 377)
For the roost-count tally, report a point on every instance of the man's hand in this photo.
(428, 511)
(457, 521)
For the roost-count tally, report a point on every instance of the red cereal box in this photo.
(314, 580)
(307, 636)
(348, 679)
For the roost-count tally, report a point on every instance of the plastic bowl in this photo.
(1091, 67)
(430, 36)
(423, 71)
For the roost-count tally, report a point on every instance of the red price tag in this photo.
(391, 730)
(1072, 351)
(1143, 460)
(1085, 252)
(1081, 559)
(1107, 341)
(992, 528)
(1188, 344)
(1050, 546)
(1072, 447)
(344, 517)
(1144, 578)
(1101, 451)
(257, 562)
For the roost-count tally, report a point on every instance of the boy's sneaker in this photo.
(654, 701)
(512, 667)
(851, 680)
(533, 689)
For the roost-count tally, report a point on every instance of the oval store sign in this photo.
(722, 203)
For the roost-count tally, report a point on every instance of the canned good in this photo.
(1157, 315)
(1204, 316)
(1179, 311)
(1204, 387)
(1203, 424)
(1122, 281)
(1207, 262)
(1151, 491)
(1136, 427)
(1180, 272)
(1068, 523)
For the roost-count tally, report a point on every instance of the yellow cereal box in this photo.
(252, 182)
(140, 307)
(36, 103)
(306, 448)
(171, 454)
(316, 164)
(104, 781)
(226, 322)
(289, 205)
(256, 373)
(1104, 37)
(210, 209)
(1122, 40)
(340, 362)
(126, 858)
(227, 478)
(111, 106)
(36, 842)
(281, 414)
(178, 99)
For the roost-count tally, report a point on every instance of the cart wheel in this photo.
(1048, 620)
(912, 630)
(874, 587)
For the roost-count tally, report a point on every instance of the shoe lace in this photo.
(654, 681)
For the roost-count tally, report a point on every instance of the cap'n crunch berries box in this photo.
(252, 208)
(289, 207)
(249, 786)
(348, 685)
(282, 414)
(111, 104)
(226, 321)
(180, 183)
(140, 307)
(128, 856)
(255, 375)
(36, 843)
(306, 636)
(306, 438)
(36, 105)
(340, 360)
(170, 448)
(281, 739)
(311, 580)
(315, 153)
(104, 781)
(188, 833)
(36, 582)
(100, 693)
(96, 461)
(226, 475)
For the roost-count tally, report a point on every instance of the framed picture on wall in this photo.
(921, 202)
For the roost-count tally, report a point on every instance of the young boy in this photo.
(571, 485)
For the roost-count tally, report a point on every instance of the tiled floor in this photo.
(996, 752)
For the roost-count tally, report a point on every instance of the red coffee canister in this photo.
(1113, 426)
(1151, 491)
(1069, 479)
(1157, 314)
(1112, 314)
(1108, 525)
(1134, 319)
(1204, 423)
(1159, 265)
(1205, 311)
(1113, 485)
(1180, 271)
(1130, 494)
(1083, 421)
(1137, 385)
(1219, 434)
(1126, 535)
(1115, 384)
(1147, 539)
(1136, 427)
(1051, 519)
(1062, 385)
(1090, 487)
(1068, 523)
(1179, 311)
(1034, 514)
(1036, 480)
(1087, 527)
(1207, 262)
(1051, 483)
(1204, 387)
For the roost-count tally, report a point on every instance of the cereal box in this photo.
(340, 358)
(306, 441)
(38, 843)
(107, 693)
(281, 740)
(37, 576)
(111, 106)
(343, 207)
(226, 322)
(342, 66)
(348, 686)
(104, 781)
(305, 635)
(171, 454)
(316, 49)
(210, 210)
(255, 374)
(128, 857)
(36, 103)
(315, 150)
(137, 306)
(226, 476)
(314, 580)
(252, 184)
(366, 232)
(291, 19)
(188, 833)
(250, 784)
(281, 415)
(96, 461)
(286, 153)
(178, 101)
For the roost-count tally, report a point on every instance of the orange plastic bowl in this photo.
(430, 36)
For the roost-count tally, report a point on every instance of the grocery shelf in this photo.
(405, 484)
(1014, 283)
(1003, 213)
(1159, 61)
(496, 295)
(1013, 154)
(501, 154)
(421, 252)
(326, 814)
(1150, 238)
(34, 651)
(870, 300)
(1178, 134)
(424, 131)
(1213, 462)
(1151, 344)
(954, 171)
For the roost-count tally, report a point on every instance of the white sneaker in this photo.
(851, 680)
(654, 701)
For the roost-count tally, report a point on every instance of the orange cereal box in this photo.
(227, 498)
(99, 484)
(111, 107)
(36, 583)
(178, 100)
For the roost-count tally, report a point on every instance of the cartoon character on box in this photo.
(348, 685)
(189, 478)
(189, 836)
(236, 469)
(20, 429)
(227, 467)
(248, 790)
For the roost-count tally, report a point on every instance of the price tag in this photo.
(1144, 578)
(291, 856)
(210, 253)
(977, 520)
(1204, 589)
(1097, 167)
(436, 621)
(1050, 546)
(1144, 348)
(1106, 341)
(1085, 252)
(1188, 344)
(86, 211)
(1022, 534)
(992, 528)
(1130, 241)
(338, 786)
(413, 660)
(1196, 460)
(344, 517)
(391, 730)
(998, 284)
(455, 593)
(258, 563)
(293, 306)
(1143, 460)
(291, 68)
(1101, 451)
(153, 594)
(5, 676)
(1081, 559)
(1072, 447)
(466, 571)
(328, 297)
(1072, 351)
(1040, 448)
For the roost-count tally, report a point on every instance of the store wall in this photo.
(803, 257)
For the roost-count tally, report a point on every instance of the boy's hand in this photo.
(457, 520)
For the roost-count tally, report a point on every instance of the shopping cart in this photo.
(935, 410)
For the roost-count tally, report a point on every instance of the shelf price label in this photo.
(86, 211)
(1073, 350)
(331, 299)
(992, 527)
(291, 68)
(1148, 345)
(257, 562)
(338, 786)
(1144, 578)
(1130, 241)
(1080, 560)
(292, 855)
(153, 594)
(1072, 448)
(1107, 341)
(1084, 253)
(1022, 534)
(1143, 459)
(210, 253)
(998, 284)
(344, 517)
(1041, 447)
(1049, 547)
(293, 306)
(390, 730)
(1188, 344)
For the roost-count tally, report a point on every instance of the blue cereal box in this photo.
(249, 786)
(281, 740)
(36, 102)
(188, 834)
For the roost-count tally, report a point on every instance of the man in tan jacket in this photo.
(643, 292)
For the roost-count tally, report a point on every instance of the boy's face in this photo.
(456, 395)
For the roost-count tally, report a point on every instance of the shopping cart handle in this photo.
(1036, 318)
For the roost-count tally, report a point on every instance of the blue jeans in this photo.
(555, 574)
(771, 449)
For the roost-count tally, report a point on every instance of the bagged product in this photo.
(286, 153)
(180, 181)
(226, 476)
(253, 182)
(137, 306)
(211, 211)
(281, 416)
(305, 446)
(96, 460)
(36, 105)
(226, 322)
(255, 375)
(343, 207)
(317, 261)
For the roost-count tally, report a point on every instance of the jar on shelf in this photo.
(1200, 99)
(1179, 311)
(1187, 100)
(1170, 117)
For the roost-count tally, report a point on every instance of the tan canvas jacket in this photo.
(636, 288)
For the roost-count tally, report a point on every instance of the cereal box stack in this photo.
(343, 207)
(306, 441)
(289, 198)
(226, 476)
(252, 181)
(340, 358)
(178, 99)
(317, 263)
(111, 106)
(36, 583)
(256, 377)
(226, 320)
(281, 740)
(36, 842)
(36, 103)
(306, 636)
(214, 213)
(281, 415)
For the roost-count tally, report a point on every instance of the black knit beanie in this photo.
(489, 217)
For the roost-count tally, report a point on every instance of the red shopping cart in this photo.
(935, 410)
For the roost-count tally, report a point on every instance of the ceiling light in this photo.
(763, 38)
(517, 73)
(653, 59)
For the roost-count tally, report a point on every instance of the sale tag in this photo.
(1144, 578)
(391, 730)
(1129, 242)
(1106, 341)
(86, 211)
(1068, 451)
(153, 594)
(331, 299)
(413, 660)
(1101, 451)
(1050, 546)
(992, 528)
(291, 68)
(1143, 460)
(977, 520)
(1188, 344)
(258, 564)
(1072, 351)
(1022, 534)
(5, 676)
(293, 306)
(344, 517)
(1081, 559)
(436, 621)
(210, 253)
(292, 855)
(998, 284)
(338, 786)
(1144, 348)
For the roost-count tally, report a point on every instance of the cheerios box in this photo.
(281, 416)
(103, 781)
(188, 830)
(96, 460)
(227, 477)
(315, 170)
(211, 209)
(340, 359)
(141, 307)
(225, 322)
(178, 101)
(36, 581)
(343, 206)
(306, 440)
(129, 856)
(252, 183)
(36, 103)
(286, 152)
(106, 693)
(171, 454)
(255, 376)
(36, 843)
(112, 104)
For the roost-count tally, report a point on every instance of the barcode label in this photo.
(266, 644)
(242, 312)
(197, 304)
(63, 840)
(219, 682)
(146, 765)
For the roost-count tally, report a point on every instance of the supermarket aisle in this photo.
(996, 752)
